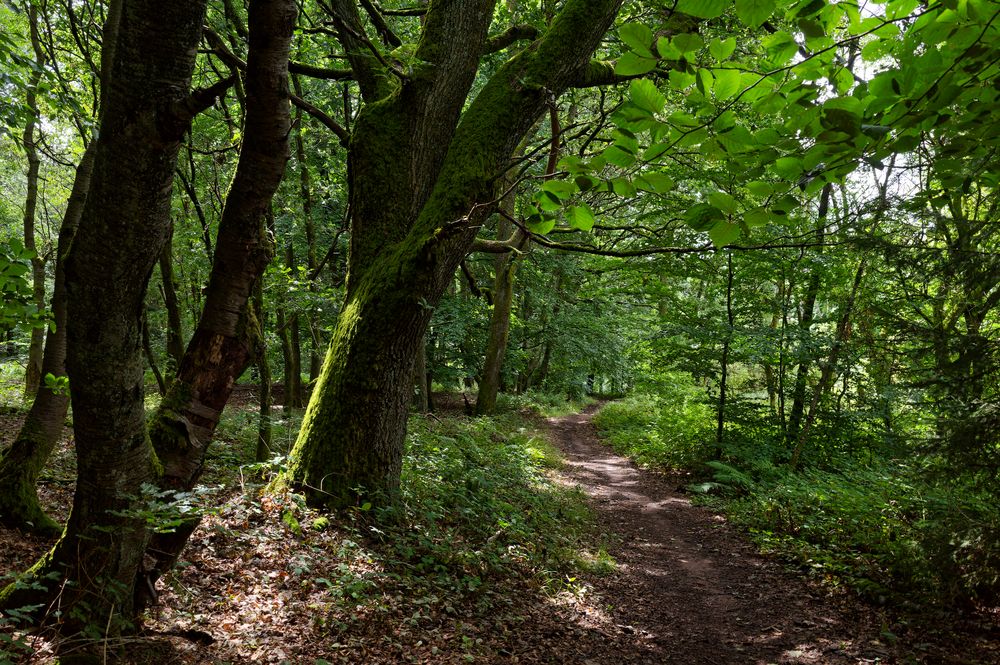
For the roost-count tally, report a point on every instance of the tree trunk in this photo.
(264, 439)
(827, 373)
(422, 176)
(175, 334)
(720, 428)
(293, 368)
(228, 336)
(420, 381)
(805, 323)
(24, 460)
(120, 236)
(33, 372)
(305, 191)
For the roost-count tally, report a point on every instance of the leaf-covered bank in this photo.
(482, 543)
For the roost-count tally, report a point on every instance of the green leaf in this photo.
(623, 187)
(631, 64)
(727, 83)
(705, 81)
(541, 227)
(646, 96)
(724, 233)
(580, 217)
(757, 217)
(561, 188)
(843, 80)
(721, 50)
(723, 201)
(754, 12)
(760, 188)
(703, 216)
(658, 182)
(789, 168)
(687, 42)
(638, 37)
(680, 80)
(619, 157)
(703, 8)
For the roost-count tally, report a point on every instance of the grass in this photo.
(478, 504)
(547, 405)
(849, 516)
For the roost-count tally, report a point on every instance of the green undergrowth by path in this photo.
(884, 526)
(548, 405)
(477, 497)
(480, 519)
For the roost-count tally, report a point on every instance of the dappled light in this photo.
(499, 331)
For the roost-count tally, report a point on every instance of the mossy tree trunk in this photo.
(27, 455)
(423, 176)
(148, 108)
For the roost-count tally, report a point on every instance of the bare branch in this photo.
(326, 120)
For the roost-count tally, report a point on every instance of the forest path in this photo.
(688, 588)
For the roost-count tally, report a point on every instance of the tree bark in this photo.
(228, 336)
(294, 398)
(121, 233)
(264, 438)
(33, 372)
(423, 177)
(175, 333)
(27, 455)
(720, 429)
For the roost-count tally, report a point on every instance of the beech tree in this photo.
(425, 172)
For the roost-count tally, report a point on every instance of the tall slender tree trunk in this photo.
(305, 192)
(420, 382)
(264, 431)
(826, 379)
(228, 337)
(33, 372)
(175, 333)
(806, 315)
(423, 173)
(720, 429)
(27, 455)
(121, 234)
(294, 398)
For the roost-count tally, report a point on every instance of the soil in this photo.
(687, 589)
(692, 590)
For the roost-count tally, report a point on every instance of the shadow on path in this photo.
(688, 587)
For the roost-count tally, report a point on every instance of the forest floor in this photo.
(686, 588)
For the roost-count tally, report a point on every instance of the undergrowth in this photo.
(548, 405)
(852, 514)
(479, 521)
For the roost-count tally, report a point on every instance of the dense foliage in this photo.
(771, 228)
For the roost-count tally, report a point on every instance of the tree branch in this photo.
(388, 36)
(326, 120)
(602, 72)
(515, 33)
(181, 113)
(406, 11)
(222, 52)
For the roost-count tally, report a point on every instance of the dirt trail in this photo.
(689, 589)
